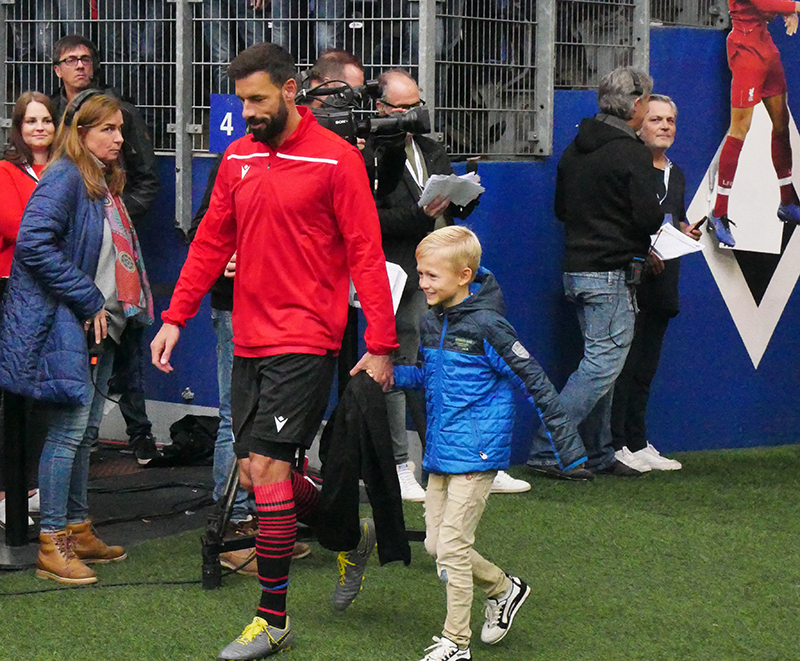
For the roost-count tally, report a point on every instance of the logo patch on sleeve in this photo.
(520, 351)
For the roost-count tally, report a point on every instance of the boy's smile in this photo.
(442, 283)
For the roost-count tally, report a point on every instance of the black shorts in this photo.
(278, 402)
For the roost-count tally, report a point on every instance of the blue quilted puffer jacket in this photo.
(51, 291)
(471, 360)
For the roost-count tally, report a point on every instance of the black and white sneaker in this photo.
(144, 448)
(500, 611)
(444, 649)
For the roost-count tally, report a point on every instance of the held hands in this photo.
(161, 346)
(230, 267)
(378, 367)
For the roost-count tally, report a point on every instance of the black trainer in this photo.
(618, 469)
(576, 474)
(144, 448)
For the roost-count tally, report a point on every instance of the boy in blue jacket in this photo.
(470, 361)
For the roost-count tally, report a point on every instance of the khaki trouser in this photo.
(453, 508)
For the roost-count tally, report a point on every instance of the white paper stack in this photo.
(461, 190)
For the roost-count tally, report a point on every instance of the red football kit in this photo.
(752, 55)
(302, 221)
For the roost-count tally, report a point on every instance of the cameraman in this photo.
(333, 64)
(403, 162)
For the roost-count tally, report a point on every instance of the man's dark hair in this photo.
(267, 57)
(73, 41)
(331, 64)
(383, 80)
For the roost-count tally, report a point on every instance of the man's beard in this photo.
(272, 126)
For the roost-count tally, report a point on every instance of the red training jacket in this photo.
(301, 220)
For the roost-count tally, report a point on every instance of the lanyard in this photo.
(666, 181)
(416, 173)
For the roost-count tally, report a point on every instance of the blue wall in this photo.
(707, 393)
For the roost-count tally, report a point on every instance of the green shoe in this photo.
(258, 641)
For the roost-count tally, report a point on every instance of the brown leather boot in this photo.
(57, 560)
(91, 549)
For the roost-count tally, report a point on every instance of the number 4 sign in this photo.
(226, 123)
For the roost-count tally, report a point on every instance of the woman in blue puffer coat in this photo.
(77, 273)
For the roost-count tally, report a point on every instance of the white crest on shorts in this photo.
(245, 169)
(520, 351)
(280, 421)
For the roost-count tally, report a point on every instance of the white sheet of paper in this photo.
(669, 243)
(461, 190)
(397, 282)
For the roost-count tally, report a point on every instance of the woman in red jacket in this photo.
(27, 153)
(28, 150)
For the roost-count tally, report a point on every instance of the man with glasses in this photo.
(404, 162)
(76, 62)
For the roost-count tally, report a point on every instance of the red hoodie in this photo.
(302, 221)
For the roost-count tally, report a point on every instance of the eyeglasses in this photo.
(72, 61)
(404, 106)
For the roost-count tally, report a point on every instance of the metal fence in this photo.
(691, 13)
(486, 67)
(593, 37)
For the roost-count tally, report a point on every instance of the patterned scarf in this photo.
(133, 288)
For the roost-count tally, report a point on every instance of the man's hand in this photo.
(790, 20)
(161, 346)
(230, 267)
(692, 230)
(436, 207)
(655, 263)
(378, 367)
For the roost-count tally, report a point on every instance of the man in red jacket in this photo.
(292, 200)
(757, 76)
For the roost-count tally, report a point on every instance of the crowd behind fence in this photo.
(487, 68)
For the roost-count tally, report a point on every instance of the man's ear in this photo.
(289, 90)
(57, 68)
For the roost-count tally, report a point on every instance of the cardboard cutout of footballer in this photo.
(758, 76)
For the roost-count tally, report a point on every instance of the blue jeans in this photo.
(64, 464)
(606, 315)
(328, 34)
(224, 456)
(230, 26)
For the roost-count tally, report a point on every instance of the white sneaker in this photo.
(653, 458)
(3, 514)
(625, 456)
(500, 611)
(33, 502)
(444, 649)
(504, 483)
(410, 489)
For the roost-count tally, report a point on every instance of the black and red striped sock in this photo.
(277, 530)
(306, 497)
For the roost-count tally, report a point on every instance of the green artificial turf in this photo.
(698, 564)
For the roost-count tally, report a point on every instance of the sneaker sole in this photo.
(522, 490)
(525, 595)
(41, 573)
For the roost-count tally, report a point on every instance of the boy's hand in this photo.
(378, 367)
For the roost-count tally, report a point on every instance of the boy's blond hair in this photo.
(456, 244)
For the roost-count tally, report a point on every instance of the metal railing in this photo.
(486, 67)
(690, 13)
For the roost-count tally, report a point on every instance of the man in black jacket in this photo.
(606, 198)
(403, 162)
(76, 62)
